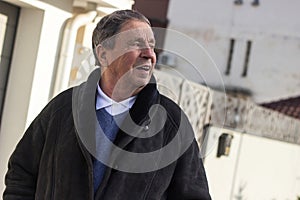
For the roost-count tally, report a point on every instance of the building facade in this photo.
(254, 47)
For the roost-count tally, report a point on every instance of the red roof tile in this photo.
(290, 106)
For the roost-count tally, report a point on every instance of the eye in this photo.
(138, 44)
(141, 44)
(152, 45)
(134, 43)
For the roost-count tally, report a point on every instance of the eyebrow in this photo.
(141, 39)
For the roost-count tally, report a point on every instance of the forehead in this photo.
(135, 28)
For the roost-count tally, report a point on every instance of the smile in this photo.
(145, 68)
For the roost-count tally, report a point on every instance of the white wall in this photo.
(273, 28)
(220, 172)
(268, 169)
(256, 168)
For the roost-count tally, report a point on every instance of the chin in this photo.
(142, 82)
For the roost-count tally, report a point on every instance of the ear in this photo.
(101, 55)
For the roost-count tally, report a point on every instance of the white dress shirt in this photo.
(111, 106)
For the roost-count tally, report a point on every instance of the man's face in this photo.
(132, 59)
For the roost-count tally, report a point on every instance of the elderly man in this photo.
(114, 136)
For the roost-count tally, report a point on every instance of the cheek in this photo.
(128, 59)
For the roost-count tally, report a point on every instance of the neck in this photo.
(117, 92)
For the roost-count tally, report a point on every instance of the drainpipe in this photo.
(67, 49)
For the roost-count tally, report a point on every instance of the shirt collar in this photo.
(111, 106)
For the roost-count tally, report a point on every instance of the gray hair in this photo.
(110, 25)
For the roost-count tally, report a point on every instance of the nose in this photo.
(147, 52)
